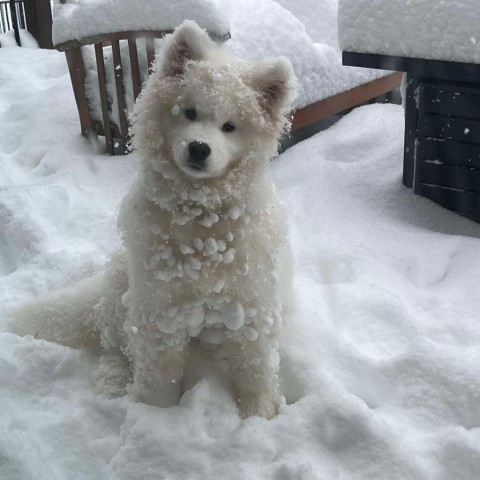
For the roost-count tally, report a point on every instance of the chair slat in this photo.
(118, 71)
(132, 48)
(150, 47)
(102, 85)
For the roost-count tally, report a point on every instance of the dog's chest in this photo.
(213, 272)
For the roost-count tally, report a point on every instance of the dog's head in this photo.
(206, 111)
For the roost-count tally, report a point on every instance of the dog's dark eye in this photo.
(228, 127)
(191, 114)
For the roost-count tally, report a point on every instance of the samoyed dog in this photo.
(206, 265)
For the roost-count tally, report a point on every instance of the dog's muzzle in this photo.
(198, 153)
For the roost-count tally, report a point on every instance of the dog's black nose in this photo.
(198, 152)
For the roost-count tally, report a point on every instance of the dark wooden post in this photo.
(13, 13)
(39, 21)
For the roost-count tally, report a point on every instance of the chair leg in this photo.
(76, 68)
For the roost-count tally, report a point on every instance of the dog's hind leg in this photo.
(66, 316)
(253, 368)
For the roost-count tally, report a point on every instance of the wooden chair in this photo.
(115, 133)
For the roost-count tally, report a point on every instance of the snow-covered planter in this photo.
(438, 45)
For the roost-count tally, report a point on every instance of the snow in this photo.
(380, 368)
(304, 32)
(27, 40)
(77, 20)
(262, 28)
(431, 29)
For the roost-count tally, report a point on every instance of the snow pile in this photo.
(446, 30)
(319, 17)
(380, 368)
(263, 28)
(79, 19)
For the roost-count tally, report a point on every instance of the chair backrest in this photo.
(107, 73)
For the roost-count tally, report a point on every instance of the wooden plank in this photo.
(76, 68)
(118, 71)
(150, 47)
(464, 203)
(135, 67)
(452, 101)
(459, 178)
(451, 153)
(103, 37)
(450, 128)
(102, 86)
(345, 100)
(438, 69)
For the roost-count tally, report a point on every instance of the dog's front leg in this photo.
(157, 374)
(253, 367)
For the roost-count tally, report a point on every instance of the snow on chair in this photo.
(110, 47)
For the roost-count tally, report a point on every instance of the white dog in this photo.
(206, 265)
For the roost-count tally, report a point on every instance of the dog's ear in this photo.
(274, 80)
(189, 42)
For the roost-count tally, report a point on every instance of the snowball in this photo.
(210, 247)
(229, 256)
(234, 212)
(233, 316)
(185, 249)
(250, 334)
(195, 263)
(218, 286)
(208, 220)
(198, 243)
(212, 317)
(196, 316)
(194, 331)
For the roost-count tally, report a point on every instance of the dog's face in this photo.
(204, 130)
(206, 111)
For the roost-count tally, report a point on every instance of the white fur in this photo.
(206, 267)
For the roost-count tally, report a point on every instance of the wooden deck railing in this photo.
(32, 15)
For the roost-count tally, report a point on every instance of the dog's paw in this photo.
(164, 394)
(112, 374)
(259, 406)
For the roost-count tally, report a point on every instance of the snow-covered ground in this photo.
(380, 368)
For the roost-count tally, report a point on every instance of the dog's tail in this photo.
(74, 316)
